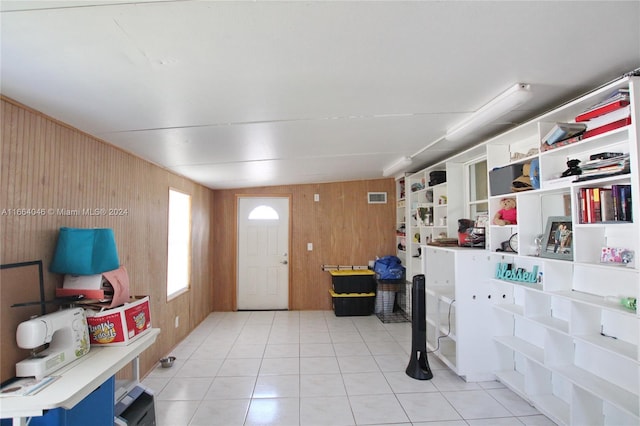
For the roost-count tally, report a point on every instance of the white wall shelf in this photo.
(565, 343)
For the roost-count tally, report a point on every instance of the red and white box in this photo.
(120, 326)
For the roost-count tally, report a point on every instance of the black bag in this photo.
(436, 177)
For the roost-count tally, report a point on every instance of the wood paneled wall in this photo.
(50, 166)
(342, 226)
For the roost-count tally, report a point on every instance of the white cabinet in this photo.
(563, 341)
(458, 297)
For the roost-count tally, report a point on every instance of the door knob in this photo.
(284, 262)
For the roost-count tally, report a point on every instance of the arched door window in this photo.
(263, 213)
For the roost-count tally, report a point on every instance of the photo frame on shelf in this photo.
(558, 238)
(482, 220)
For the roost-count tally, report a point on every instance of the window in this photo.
(478, 190)
(263, 213)
(179, 243)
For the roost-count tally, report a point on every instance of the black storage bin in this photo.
(353, 281)
(500, 179)
(353, 304)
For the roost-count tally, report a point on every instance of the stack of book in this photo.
(562, 132)
(610, 114)
(599, 168)
(605, 204)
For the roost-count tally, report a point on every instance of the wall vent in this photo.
(377, 197)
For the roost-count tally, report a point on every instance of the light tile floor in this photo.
(313, 368)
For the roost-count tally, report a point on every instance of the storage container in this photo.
(500, 179)
(120, 326)
(353, 281)
(353, 304)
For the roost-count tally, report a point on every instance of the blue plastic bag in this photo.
(389, 268)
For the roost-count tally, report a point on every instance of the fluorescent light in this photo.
(499, 106)
(397, 166)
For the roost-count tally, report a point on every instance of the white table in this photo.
(77, 380)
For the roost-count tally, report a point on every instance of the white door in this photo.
(263, 253)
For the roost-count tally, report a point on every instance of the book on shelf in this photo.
(607, 127)
(607, 210)
(616, 99)
(588, 199)
(587, 177)
(595, 205)
(610, 117)
(622, 202)
(562, 131)
(601, 168)
(546, 147)
(613, 165)
(602, 110)
(618, 95)
(605, 204)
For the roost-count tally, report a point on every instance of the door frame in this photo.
(236, 261)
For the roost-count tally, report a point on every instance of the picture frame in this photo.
(482, 220)
(557, 242)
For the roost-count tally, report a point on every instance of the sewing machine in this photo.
(66, 332)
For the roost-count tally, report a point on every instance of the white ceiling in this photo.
(243, 94)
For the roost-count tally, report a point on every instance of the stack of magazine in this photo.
(598, 168)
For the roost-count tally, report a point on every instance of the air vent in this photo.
(377, 197)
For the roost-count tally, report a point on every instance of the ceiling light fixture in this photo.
(499, 106)
(397, 166)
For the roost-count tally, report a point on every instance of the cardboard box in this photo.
(120, 326)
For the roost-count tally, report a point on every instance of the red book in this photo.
(583, 205)
(604, 109)
(89, 294)
(589, 205)
(607, 127)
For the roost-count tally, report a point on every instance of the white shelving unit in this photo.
(456, 300)
(431, 211)
(440, 206)
(401, 219)
(561, 342)
(421, 219)
(403, 228)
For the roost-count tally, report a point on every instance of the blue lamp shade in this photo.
(83, 251)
